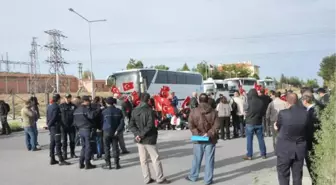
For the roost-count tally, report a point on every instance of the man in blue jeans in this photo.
(253, 120)
(203, 121)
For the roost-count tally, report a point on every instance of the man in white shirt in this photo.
(238, 114)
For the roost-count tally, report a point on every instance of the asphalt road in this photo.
(19, 166)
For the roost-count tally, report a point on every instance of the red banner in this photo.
(136, 98)
(164, 93)
(128, 86)
(165, 88)
(186, 102)
(115, 90)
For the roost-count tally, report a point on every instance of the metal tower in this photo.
(56, 60)
(34, 67)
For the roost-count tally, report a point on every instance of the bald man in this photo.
(291, 141)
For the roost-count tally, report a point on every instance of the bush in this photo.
(325, 150)
(15, 126)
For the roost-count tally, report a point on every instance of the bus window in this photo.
(110, 81)
(194, 79)
(148, 75)
(181, 78)
(171, 77)
(249, 82)
(220, 86)
(162, 77)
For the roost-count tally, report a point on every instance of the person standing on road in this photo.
(28, 122)
(203, 121)
(143, 127)
(84, 118)
(113, 123)
(54, 123)
(4, 110)
(121, 139)
(98, 133)
(238, 114)
(266, 100)
(272, 112)
(194, 101)
(126, 108)
(68, 128)
(291, 142)
(224, 113)
(254, 114)
(35, 109)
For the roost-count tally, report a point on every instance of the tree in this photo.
(327, 69)
(134, 64)
(312, 83)
(86, 75)
(185, 67)
(234, 70)
(160, 67)
(256, 76)
(202, 68)
(268, 77)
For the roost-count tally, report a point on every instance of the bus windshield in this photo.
(209, 87)
(118, 79)
(269, 83)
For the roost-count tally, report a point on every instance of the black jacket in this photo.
(292, 127)
(54, 115)
(112, 119)
(212, 103)
(4, 108)
(266, 100)
(67, 112)
(254, 111)
(126, 108)
(84, 117)
(312, 127)
(97, 119)
(142, 124)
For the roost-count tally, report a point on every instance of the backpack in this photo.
(234, 106)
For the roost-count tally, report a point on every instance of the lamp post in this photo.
(89, 23)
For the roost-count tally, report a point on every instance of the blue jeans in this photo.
(199, 150)
(99, 143)
(30, 136)
(259, 131)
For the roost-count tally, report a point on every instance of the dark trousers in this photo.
(99, 143)
(71, 132)
(285, 166)
(309, 162)
(238, 125)
(121, 141)
(86, 137)
(109, 140)
(77, 139)
(5, 126)
(267, 127)
(55, 142)
(224, 124)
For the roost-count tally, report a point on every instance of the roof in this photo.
(4, 74)
(241, 79)
(134, 70)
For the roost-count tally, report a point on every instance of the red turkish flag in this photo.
(164, 93)
(185, 102)
(168, 109)
(165, 88)
(157, 100)
(115, 90)
(255, 85)
(128, 86)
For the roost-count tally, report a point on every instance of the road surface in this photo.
(19, 167)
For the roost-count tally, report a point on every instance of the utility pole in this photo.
(34, 67)
(55, 59)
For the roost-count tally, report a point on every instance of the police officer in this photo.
(68, 128)
(113, 124)
(84, 120)
(54, 125)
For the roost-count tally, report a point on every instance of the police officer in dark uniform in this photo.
(113, 124)
(54, 125)
(68, 128)
(84, 120)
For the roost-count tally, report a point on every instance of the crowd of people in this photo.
(99, 124)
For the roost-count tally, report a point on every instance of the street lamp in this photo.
(89, 22)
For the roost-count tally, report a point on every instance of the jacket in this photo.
(113, 120)
(3, 108)
(224, 110)
(312, 127)
(175, 101)
(54, 115)
(84, 117)
(254, 111)
(67, 113)
(126, 108)
(97, 119)
(240, 105)
(35, 105)
(193, 103)
(204, 120)
(273, 110)
(212, 103)
(28, 117)
(142, 124)
(266, 100)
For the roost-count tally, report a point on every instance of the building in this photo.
(19, 83)
(248, 64)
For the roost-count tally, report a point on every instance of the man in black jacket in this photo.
(266, 100)
(68, 127)
(143, 127)
(4, 110)
(84, 118)
(253, 120)
(54, 123)
(113, 123)
(291, 142)
(97, 142)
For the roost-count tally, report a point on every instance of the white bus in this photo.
(246, 83)
(267, 84)
(152, 80)
(213, 85)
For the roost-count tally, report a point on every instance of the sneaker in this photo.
(264, 157)
(164, 182)
(150, 181)
(246, 158)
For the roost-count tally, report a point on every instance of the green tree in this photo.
(134, 64)
(256, 76)
(312, 83)
(203, 69)
(325, 150)
(86, 75)
(185, 67)
(234, 70)
(268, 77)
(327, 69)
(161, 67)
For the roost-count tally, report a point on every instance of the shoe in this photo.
(188, 179)
(53, 161)
(126, 152)
(246, 158)
(107, 166)
(64, 163)
(65, 156)
(36, 149)
(150, 181)
(89, 166)
(264, 157)
(164, 182)
(81, 165)
(117, 165)
(38, 146)
(73, 155)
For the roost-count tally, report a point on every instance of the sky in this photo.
(287, 36)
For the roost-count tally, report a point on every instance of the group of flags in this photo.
(127, 86)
